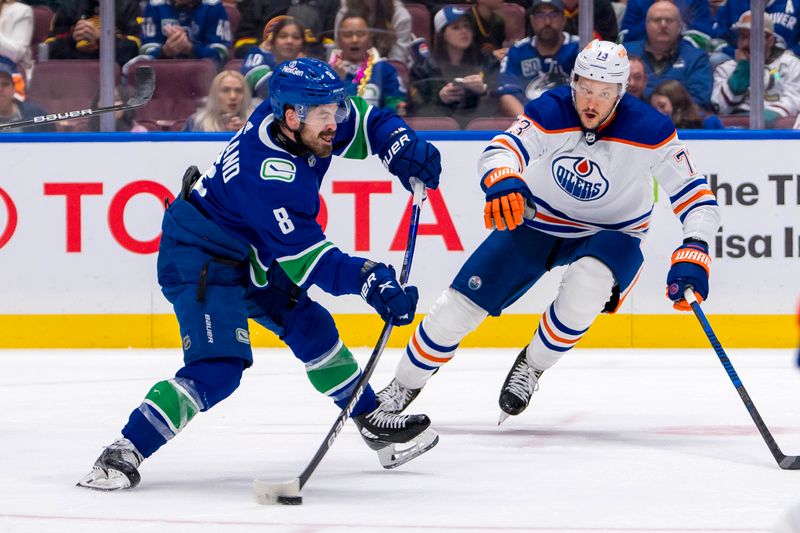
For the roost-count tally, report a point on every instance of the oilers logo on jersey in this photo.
(580, 177)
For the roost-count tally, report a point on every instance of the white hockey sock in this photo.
(584, 291)
(435, 340)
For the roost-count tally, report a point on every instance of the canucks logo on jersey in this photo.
(579, 177)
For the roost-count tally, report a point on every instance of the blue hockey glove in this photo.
(407, 156)
(506, 198)
(690, 268)
(382, 291)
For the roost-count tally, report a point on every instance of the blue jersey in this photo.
(526, 74)
(782, 13)
(269, 198)
(695, 15)
(383, 89)
(256, 67)
(205, 23)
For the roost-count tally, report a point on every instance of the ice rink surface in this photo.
(614, 440)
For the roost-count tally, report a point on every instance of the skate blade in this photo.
(395, 455)
(267, 493)
(99, 480)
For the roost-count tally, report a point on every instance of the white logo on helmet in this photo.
(291, 68)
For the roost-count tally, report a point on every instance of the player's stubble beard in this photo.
(315, 143)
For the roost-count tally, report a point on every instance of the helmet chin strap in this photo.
(294, 145)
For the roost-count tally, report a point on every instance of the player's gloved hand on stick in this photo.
(690, 268)
(407, 156)
(382, 291)
(506, 198)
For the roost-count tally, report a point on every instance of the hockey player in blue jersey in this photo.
(242, 242)
(568, 184)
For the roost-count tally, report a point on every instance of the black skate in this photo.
(397, 438)
(395, 397)
(115, 469)
(520, 384)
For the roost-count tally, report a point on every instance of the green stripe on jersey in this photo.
(359, 146)
(298, 267)
(329, 374)
(173, 403)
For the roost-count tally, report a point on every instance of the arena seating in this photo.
(433, 123)
(490, 123)
(420, 21)
(514, 17)
(42, 18)
(182, 85)
(66, 85)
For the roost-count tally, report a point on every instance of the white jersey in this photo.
(585, 182)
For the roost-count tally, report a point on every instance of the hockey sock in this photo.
(584, 291)
(170, 405)
(435, 340)
(335, 374)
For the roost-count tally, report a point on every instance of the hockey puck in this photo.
(290, 500)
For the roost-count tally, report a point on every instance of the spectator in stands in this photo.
(227, 107)
(667, 56)
(75, 30)
(124, 120)
(637, 80)
(783, 14)
(781, 76)
(693, 15)
(536, 64)
(390, 23)
(672, 99)
(364, 72)
(186, 29)
(454, 82)
(16, 29)
(317, 16)
(489, 28)
(282, 41)
(12, 110)
(605, 20)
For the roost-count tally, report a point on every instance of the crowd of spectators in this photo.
(430, 58)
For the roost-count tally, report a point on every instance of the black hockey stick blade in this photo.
(787, 462)
(145, 85)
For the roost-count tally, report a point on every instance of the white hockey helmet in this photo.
(603, 61)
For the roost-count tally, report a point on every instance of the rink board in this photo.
(80, 218)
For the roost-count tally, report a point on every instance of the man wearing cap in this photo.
(536, 64)
(13, 110)
(668, 57)
(781, 76)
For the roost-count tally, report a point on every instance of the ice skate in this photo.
(394, 398)
(397, 438)
(520, 384)
(115, 469)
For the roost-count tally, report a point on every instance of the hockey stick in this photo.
(143, 88)
(787, 462)
(288, 492)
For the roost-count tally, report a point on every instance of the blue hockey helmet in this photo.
(305, 83)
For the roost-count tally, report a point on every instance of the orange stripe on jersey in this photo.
(426, 355)
(513, 149)
(642, 226)
(641, 145)
(556, 337)
(561, 221)
(696, 196)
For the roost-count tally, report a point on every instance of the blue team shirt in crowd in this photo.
(526, 74)
(782, 13)
(205, 22)
(690, 66)
(695, 14)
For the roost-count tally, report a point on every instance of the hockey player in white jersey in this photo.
(568, 184)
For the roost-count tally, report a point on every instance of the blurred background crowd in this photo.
(443, 66)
